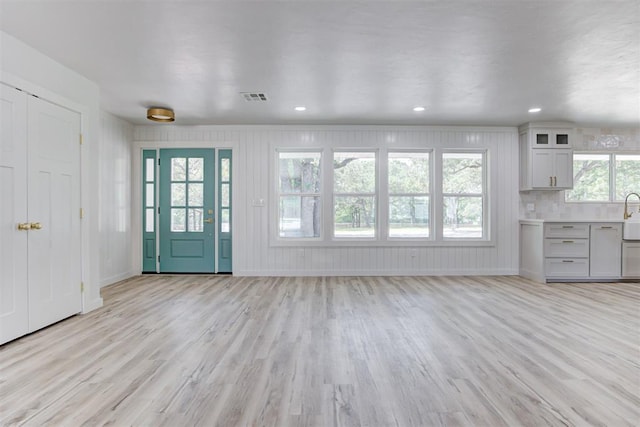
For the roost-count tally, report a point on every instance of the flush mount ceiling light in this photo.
(418, 109)
(157, 114)
(300, 108)
(535, 110)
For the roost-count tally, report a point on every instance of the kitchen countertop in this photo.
(554, 220)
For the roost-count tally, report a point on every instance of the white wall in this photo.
(23, 67)
(116, 136)
(551, 204)
(253, 254)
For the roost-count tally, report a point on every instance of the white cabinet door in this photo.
(563, 169)
(543, 168)
(54, 203)
(14, 314)
(606, 250)
(552, 168)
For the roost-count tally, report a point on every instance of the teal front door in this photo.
(186, 211)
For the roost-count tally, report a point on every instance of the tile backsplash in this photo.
(551, 204)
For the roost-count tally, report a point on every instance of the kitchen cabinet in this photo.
(605, 251)
(570, 251)
(631, 259)
(546, 157)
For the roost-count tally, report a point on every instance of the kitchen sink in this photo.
(631, 230)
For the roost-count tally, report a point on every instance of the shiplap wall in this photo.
(252, 252)
(116, 136)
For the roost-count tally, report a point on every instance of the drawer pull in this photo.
(605, 228)
(568, 241)
(567, 260)
(567, 226)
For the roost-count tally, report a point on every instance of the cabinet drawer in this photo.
(566, 248)
(561, 230)
(566, 267)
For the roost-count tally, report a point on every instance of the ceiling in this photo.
(368, 62)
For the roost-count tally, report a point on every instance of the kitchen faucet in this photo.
(627, 215)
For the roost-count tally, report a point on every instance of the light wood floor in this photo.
(407, 351)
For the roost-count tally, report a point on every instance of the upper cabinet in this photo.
(546, 156)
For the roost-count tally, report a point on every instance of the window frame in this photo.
(279, 195)
(381, 239)
(487, 216)
(376, 196)
(429, 195)
(612, 175)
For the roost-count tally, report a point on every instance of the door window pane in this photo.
(178, 194)
(354, 216)
(149, 220)
(225, 169)
(178, 220)
(627, 175)
(408, 216)
(299, 216)
(224, 196)
(150, 172)
(462, 217)
(196, 169)
(196, 194)
(590, 178)
(225, 225)
(178, 169)
(196, 219)
(149, 193)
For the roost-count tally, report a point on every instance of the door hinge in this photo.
(81, 286)
(81, 139)
(81, 213)
(158, 258)
(158, 211)
(158, 161)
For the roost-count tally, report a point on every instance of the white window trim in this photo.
(612, 176)
(488, 218)
(382, 239)
(275, 210)
(376, 196)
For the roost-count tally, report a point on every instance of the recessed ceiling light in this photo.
(418, 108)
(535, 110)
(300, 108)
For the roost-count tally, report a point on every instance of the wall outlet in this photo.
(531, 207)
(258, 203)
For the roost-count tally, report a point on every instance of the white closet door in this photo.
(14, 313)
(54, 203)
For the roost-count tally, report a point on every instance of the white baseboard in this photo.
(289, 273)
(116, 278)
(92, 305)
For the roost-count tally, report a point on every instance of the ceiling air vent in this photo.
(254, 96)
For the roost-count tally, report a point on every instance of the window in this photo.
(354, 194)
(409, 194)
(627, 175)
(299, 194)
(463, 195)
(603, 177)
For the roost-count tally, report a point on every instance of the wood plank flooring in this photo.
(343, 351)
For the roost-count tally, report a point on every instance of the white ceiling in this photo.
(475, 62)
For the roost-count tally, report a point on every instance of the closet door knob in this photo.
(24, 226)
(36, 226)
